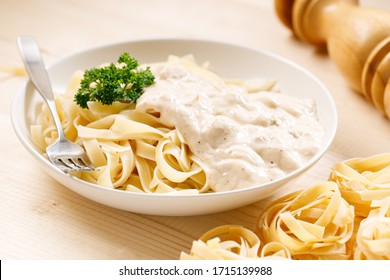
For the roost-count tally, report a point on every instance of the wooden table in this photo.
(41, 219)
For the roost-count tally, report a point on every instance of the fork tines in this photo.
(73, 164)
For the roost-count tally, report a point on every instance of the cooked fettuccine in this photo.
(134, 150)
(189, 132)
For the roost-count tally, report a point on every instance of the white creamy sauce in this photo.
(244, 139)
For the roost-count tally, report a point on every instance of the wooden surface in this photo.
(41, 219)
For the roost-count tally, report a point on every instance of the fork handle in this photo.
(38, 75)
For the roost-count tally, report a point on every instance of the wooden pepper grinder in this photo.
(357, 39)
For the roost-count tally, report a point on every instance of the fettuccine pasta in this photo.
(188, 133)
(134, 150)
(373, 236)
(363, 182)
(316, 223)
(320, 222)
(233, 242)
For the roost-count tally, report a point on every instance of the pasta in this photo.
(134, 150)
(363, 182)
(373, 236)
(232, 242)
(316, 223)
(189, 132)
(347, 220)
(130, 143)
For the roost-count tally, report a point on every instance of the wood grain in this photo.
(41, 219)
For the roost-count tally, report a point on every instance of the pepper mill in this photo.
(357, 39)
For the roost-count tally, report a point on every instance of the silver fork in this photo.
(64, 154)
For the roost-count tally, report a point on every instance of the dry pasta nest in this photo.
(316, 223)
(363, 182)
(373, 236)
(233, 242)
(347, 217)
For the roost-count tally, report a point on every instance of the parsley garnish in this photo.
(114, 82)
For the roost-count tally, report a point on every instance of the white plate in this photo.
(229, 61)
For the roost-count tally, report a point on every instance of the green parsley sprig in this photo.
(114, 82)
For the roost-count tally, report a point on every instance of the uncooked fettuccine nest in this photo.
(316, 223)
(347, 217)
(363, 182)
(232, 242)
